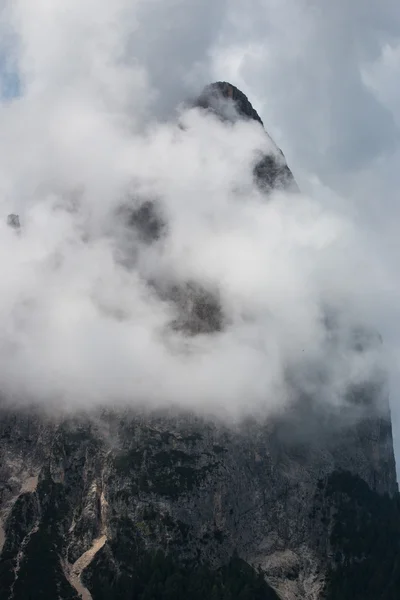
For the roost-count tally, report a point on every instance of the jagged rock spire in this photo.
(229, 103)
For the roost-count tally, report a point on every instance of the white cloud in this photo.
(88, 133)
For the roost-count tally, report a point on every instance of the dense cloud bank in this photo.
(94, 125)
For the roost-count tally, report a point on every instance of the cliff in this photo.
(123, 505)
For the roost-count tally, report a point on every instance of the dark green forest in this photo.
(362, 529)
(158, 577)
(162, 579)
(365, 537)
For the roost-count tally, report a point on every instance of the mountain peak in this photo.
(230, 104)
(214, 94)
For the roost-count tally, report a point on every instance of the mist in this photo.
(94, 123)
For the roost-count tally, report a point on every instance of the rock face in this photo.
(229, 103)
(86, 502)
(81, 499)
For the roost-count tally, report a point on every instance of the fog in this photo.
(93, 120)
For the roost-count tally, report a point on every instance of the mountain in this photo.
(132, 505)
(228, 103)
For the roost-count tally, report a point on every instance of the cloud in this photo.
(325, 78)
(85, 303)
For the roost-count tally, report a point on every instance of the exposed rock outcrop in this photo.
(95, 492)
(229, 103)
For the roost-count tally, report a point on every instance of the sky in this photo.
(91, 96)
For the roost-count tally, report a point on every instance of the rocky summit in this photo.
(229, 103)
(120, 505)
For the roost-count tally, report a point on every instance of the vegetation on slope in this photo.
(159, 577)
(365, 538)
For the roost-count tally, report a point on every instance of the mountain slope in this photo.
(125, 485)
(127, 505)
